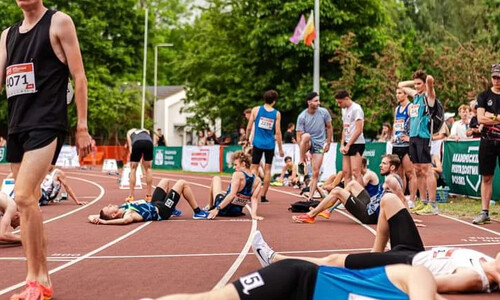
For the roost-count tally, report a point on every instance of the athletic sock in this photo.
(486, 212)
(425, 202)
(433, 204)
(196, 210)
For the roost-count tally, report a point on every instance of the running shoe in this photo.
(262, 250)
(325, 214)
(481, 219)
(276, 183)
(417, 207)
(202, 215)
(129, 199)
(34, 291)
(427, 210)
(176, 213)
(303, 218)
(263, 199)
(148, 198)
(300, 168)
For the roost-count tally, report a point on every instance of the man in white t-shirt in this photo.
(353, 141)
(459, 128)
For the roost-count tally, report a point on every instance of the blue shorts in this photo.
(229, 211)
(316, 148)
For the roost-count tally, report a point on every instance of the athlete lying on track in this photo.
(10, 218)
(161, 207)
(455, 269)
(299, 279)
(244, 188)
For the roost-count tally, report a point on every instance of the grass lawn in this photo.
(467, 208)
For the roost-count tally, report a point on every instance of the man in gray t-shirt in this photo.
(311, 126)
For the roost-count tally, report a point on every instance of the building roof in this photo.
(165, 91)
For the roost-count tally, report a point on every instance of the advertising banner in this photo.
(373, 153)
(227, 152)
(68, 158)
(167, 158)
(3, 155)
(201, 158)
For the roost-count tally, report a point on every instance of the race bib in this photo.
(442, 252)
(266, 123)
(414, 110)
(399, 125)
(20, 79)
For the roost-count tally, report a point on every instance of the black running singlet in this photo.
(36, 79)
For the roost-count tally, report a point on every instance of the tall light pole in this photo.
(156, 80)
(316, 48)
(144, 66)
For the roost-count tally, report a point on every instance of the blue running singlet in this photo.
(147, 210)
(265, 124)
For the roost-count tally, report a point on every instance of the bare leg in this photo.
(184, 190)
(334, 260)
(317, 160)
(346, 169)
(305, 144)
(132, 177)
(486, 191)
(29, 176)
(149, 176)
(430, 182)
(333, 196)
(267, 180)
(412, 177)
(421, 182)
(215, 189)
(356, 168)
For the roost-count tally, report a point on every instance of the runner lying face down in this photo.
(161, 207)
(10, 218)
(299, 279)
(244, 188)
(455, 269)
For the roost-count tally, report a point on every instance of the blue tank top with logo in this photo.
(265, 124)
(244, 195)
(401, 126)
(147, 210)
(419, 119)
(372, 189)
(347, 284)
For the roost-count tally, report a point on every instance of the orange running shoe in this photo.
(31, 292)
(47, 291)
(325, 214)
(303, 218)
(129, 199)
(148, 198)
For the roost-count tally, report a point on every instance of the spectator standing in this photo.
(475, 128)
(3, 142)
(424, 97)
(160, 138)
(386, 134)
(211, 139)
(242, 139)
(353, 141)
(449, 119)
(459, 128)
(289, 134)
(488, 110)
(201, 139)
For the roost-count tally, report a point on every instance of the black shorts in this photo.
(257, 155)
(356, 205)
(19, 143)
(405, 243)
(354, 149)
(142, 148)
(420, 150)
(230, 210)
(401, 152)
(165, 202)
(489, 151)
(292, 279)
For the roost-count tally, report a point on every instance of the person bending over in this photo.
(244, 188)
(161, 207)
(10, 218)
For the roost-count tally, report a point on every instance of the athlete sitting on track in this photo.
(51, 186)
(10, 218)
(161, 207)
(455, 269)
(244, 188)
(298, 279)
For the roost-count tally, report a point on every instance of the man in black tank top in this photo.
(36, 57)
(140, 146)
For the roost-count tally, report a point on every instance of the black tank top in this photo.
(42, 103)
(161, 140)
(140, 135)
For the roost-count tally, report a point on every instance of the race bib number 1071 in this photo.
(20, 79)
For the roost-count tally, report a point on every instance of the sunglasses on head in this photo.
(496, 77)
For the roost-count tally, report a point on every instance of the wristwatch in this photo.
(494, 117)
(218, 207)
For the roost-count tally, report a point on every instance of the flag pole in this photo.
(316, 48)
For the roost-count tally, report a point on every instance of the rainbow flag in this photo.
(309, 31)
(298, 34)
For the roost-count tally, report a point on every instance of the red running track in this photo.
(183, 255)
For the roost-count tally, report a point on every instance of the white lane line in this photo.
(470, 224)
(225, 279)
(79, 259)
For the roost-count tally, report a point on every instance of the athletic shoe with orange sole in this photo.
(34, 291)
(325, 214)
(129, 199)
(303, 218)
(148, 198)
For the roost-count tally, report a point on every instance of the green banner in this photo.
(167, 158)
(461, 169)
(3, 155)
(227, 151)
(373, 153)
